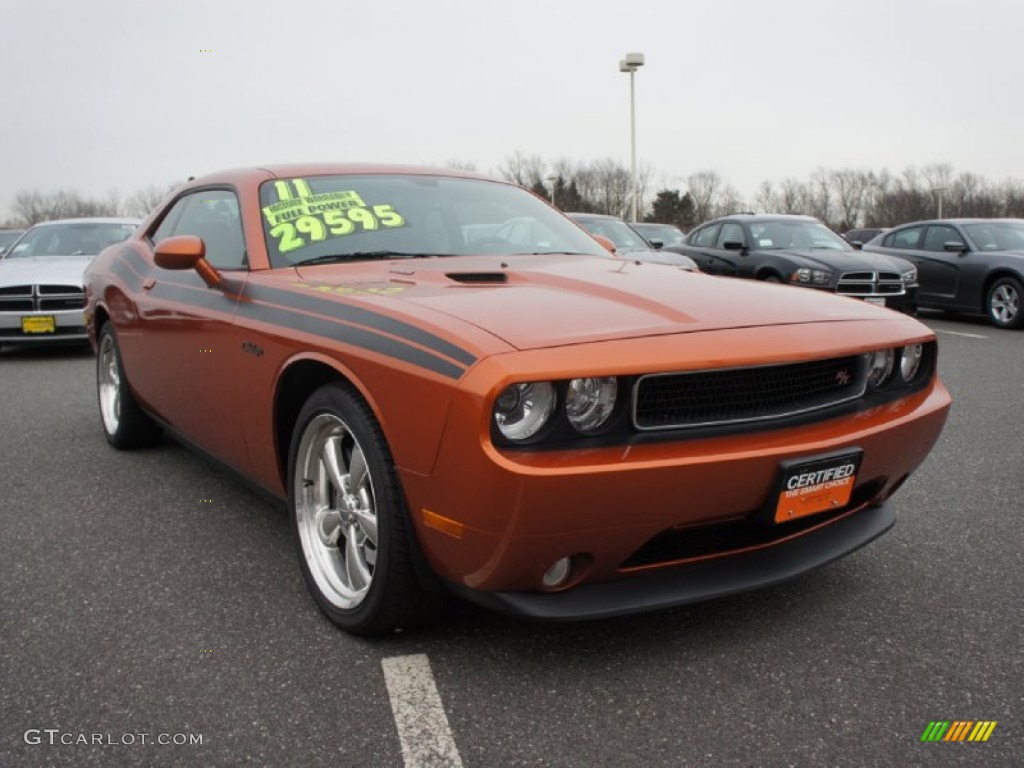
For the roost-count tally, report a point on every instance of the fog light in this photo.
(558, 573)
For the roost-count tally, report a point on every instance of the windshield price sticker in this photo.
(303, 217)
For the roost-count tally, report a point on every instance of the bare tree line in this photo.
(32, 206)
(843, 198)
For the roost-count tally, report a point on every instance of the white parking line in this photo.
(427, 741)
(960, 333)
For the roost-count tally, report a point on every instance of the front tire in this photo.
(125, 425)
(349, 516)
(1004, 303)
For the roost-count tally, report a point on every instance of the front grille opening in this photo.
(16, 290)
(720, 538)
(702, 398)
(57, 290)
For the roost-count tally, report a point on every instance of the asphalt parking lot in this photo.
(150, 593)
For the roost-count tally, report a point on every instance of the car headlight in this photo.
(910, 361)
(522, 409)
(812, 276)
(589, 402)
(880, 364)
(910, 277)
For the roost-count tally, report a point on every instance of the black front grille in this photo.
(16, 305)
(719, 538)
(704, 398)
(870, 284)
(56, 305)
(41, 298)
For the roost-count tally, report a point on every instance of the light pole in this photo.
(631, 64)
(552, 179)
(938, 197)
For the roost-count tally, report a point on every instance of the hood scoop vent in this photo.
(477, 277)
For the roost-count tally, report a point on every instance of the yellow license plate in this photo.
(816, 486)
(39, 324)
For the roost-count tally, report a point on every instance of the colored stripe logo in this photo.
(958, 730)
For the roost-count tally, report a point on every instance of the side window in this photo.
(731, 233)
(212, 215)
(705, 238)
(906, 238)
(937, 238)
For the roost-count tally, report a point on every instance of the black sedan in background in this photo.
(799, 250)
(975, 266)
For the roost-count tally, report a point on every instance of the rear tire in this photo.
(125, 425)
(350, 519)
(1004, 303)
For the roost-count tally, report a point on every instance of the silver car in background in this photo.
(41, 293)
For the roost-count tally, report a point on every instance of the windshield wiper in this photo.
(367, 256)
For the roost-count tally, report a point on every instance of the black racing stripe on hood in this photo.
(285, 317)
(353, 314)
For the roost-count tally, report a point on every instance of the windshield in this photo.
(374, 216)
(997, 235)
(616, 230)
(803, 235)
(668, 234)
(88, 238)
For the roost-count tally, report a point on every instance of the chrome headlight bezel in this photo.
(911, 358)
(530, 404)
(910, 277)
(590, 402)
(881, 364)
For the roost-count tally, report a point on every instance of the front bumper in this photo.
(698, 581)
(68, 326)
(519, 513)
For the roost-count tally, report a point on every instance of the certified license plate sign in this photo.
(39, 324)
(810, 487)
(878, 301)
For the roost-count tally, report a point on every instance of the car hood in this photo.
(46, 270)
(845, 261)
(532, 302)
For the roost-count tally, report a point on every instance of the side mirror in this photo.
(186, 252)
(954, 247)
(607, 244)
(734, 245)
(656, 243)
(857, 244)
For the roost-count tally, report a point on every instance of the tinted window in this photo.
(706, 237)
(997, 235)
(937, 237)
(731, 233)
(905, 238)
(213, 216)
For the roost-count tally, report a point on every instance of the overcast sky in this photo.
(117, 94)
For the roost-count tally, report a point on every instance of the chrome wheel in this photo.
(109, 374)
(1004, 303)
(336, 511)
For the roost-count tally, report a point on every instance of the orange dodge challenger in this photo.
(525, 420)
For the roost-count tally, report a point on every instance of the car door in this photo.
(702, 248)
(938, 270)
(189, 343)
(732, 262)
